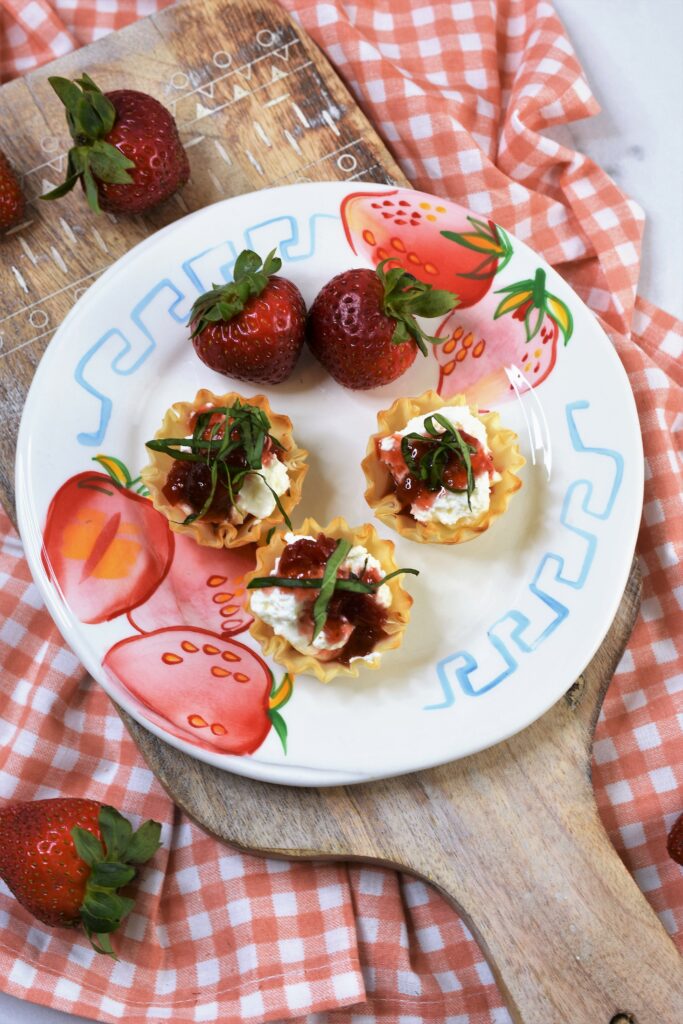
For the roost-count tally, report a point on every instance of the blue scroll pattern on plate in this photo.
(122, 353)
(515, 633)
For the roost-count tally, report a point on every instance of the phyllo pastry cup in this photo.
(397, 613)
(381, 493)
(215, 530)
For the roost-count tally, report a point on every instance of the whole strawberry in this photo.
(362, 325)
(65, 859)
(674, 843)
(127, 154)
(252, 328)
(12, 203)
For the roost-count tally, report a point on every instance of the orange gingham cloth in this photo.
(460, 91)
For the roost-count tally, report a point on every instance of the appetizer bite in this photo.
(225, 469)
(362, 325)
(328, 600)
(440, 472)
(253, 327)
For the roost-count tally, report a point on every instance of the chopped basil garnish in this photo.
(245, 429)
(440, 447)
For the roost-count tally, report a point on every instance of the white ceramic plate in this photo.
(501, 626)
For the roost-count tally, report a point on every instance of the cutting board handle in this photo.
(567, 933)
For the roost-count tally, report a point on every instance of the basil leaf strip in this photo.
(327, 585)
(352, 584)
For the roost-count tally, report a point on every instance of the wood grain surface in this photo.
(511, 836)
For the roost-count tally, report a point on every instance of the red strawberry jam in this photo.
(306, 559)
(189, 483)
(410, 490)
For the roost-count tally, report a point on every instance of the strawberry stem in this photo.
(112, 862)
(90, 117)
(226, 301)
(405, 298)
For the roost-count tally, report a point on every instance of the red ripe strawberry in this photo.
(128, 154)
(362, 325)
(12, 203)
(65, 859)
(252, 328)
(674, 843)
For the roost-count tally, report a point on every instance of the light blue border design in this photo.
(224, 271)
(287, 245)
(95, 379)
(292, 236)
(462, 665)
(118, 361)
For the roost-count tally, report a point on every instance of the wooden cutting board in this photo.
(511, 836)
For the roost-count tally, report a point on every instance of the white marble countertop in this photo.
(630, 50)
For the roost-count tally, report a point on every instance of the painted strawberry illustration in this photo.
(521, 329)
(203, 588)
(437, 241)
(105, 547)
(215, 693)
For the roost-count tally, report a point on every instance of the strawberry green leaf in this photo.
(532, 322)
(225, 302)
(88, 846)
(434, 302)
(68, 92)
(115, 830)
(91, 190)
(103, 908)
(327, 586)
(110, 164)
(61, 190)
(86, 119)
(401, 333)
(280, 727)
(90, 116)
(104, 911)
(144, 843)
(405, 298)
(112, 874)
(101, 944)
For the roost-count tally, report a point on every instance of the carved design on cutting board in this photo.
(268, 108)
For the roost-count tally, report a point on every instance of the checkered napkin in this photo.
(461, 92)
